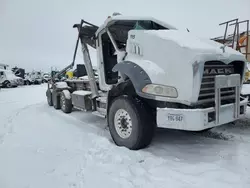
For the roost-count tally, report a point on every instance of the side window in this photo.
(156, 26)
(147, 25)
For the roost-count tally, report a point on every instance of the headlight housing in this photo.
(160, 90)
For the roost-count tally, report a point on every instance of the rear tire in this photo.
(49, 97)
(65, 102)
(56, 100)
(7, 84)
(131, 123)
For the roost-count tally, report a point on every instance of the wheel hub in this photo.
(123, 123)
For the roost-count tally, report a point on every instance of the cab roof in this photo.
(112, 19)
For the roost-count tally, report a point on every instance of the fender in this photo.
(136, 74)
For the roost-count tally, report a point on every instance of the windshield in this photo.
(147, 25)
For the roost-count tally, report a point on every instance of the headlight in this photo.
(160, 90)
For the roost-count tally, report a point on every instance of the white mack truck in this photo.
(139, 88)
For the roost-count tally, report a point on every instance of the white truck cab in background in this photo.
(8, 79)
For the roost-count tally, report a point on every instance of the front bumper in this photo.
(201, 119)
(198, 119)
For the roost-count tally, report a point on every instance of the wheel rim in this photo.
(123, 123)
(62, 102)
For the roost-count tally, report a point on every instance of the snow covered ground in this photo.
(245, 89)
(44, 148)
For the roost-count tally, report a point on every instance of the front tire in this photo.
(131, 123)
(65, 101)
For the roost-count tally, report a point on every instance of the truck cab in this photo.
(114, 44)
(152, 55)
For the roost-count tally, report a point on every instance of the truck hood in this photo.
(11, 76)
(188, 41)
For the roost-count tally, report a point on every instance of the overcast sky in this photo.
(38, 34)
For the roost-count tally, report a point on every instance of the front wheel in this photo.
(130, 123)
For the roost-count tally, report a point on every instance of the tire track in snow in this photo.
(98, 127)
(9, 102)
(97, 130)
(9, 126)
(100, 152)
(235, 131)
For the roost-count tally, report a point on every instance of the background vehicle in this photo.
(247, 75)
(46, 78)
(8, 79)
(138, 86)
(34, 77)
(19, 72)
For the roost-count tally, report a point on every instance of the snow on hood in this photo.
(188, 40)
(11, 76)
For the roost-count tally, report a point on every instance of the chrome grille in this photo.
(207, 90)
